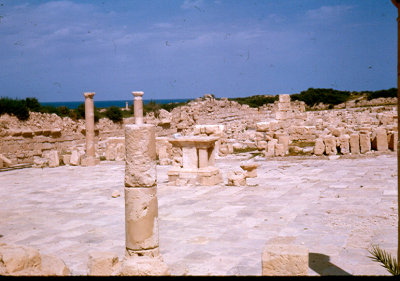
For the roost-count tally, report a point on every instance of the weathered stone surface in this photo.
(343, 144)
(103, 264)
(141, 218)
(330, 145)
(393, 139)
(144, 266)
(6, 162)
(140, 168)
(284, 260)
(52, 157)
(355, 144)
(75, 159)
(284, 98)
(236, 178)
(53, 266)
(285, 140)
(279, 149)
(20, 260)
(319, 147)
(39, 162)
(66, 158)
(365, 143)
(380, 140)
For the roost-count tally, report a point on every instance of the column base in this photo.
(202, 176)
(143, 266)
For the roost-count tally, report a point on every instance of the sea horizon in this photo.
(108, 103)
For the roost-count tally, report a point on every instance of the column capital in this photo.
(89, 95)
(137, 94)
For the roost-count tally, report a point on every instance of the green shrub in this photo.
(14, 107)
(256, 101)
(327, 96)
(390, 93)
(33, 104)
(114, 113)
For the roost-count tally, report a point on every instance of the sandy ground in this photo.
(337, 208)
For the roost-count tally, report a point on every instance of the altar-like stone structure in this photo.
(198, 159)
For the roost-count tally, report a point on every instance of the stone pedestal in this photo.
(138, 107)
(141, 205)
(198, 157)
(90, 157)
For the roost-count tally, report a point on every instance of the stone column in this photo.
(138, 107)
(141, 205)
(90, 157)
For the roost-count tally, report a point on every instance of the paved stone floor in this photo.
(337, 208)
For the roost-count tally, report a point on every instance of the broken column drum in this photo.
(198, 159)
(141, 205)
(138, 107)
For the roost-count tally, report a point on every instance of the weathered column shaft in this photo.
(141, 206)
(89, 120)
(138, 107)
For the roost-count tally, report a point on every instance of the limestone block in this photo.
(66, 158)
(1, 163)
(144, 266)
(39, 162)
(343, 144)
(380, 140)
(103, 264)
(111, 152)
(261, 145)
(20, 260)
(52, 157)
(259, 136)
(330, 145)
(337, 132)
(55, 133)
(284, 260)
(284, 98)
(141, 218)
(53, 266)
(236, 178)
(120, 152)
(140, 146)
(6, 162)
(365, 143)
(285, 141)
(393, 139)
(271, 148)
(27, 133)
(319, 147)
(355, 144)
(284, 106)
(75, 159)
(279, 149)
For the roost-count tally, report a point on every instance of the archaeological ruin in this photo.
(212, 187)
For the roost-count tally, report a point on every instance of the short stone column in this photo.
(90, 156)
(138, 107)
(141, 205)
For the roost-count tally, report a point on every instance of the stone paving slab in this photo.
(336, 208)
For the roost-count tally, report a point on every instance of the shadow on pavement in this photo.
(320, 264)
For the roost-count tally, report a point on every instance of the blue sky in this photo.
(56, 50)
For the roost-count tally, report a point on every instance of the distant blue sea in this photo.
(108, 103)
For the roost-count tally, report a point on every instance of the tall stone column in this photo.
(90, 157)
(138, 107)
(141, 206)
